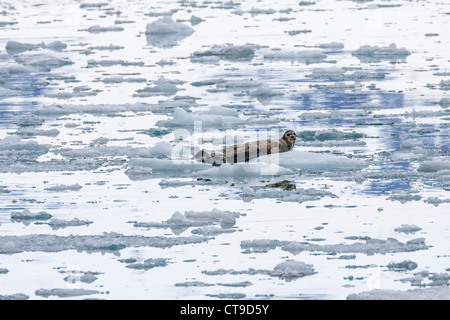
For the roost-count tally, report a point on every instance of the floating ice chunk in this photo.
(8, 93)
(161, 150)
(166, 32)
(238, 84)
(404, 196)
(162, 86)
(42, 61)
(165, 25)
(444, 85)
(13, 144)
(193, 284)
(93, 5)
(99, 29)
(297, 195)
(369, 247)
(402, 266)
(264, 91)
(63, 187)
(444, 102)
(331, 45)
(61, 109)
(228, 52)
(179, 223)
(55, 46)
(306, 56)
(148, 264)
(109, 63)
(368, 53)
(436, 201)
(441, 293)
(195, 20)
(16, 296)
(60, 224)
(28, 215)
(120, 79)
(14, 47)
(33, 132)
(435, 165)
(181, 118)
(292, 269)
(330, 134)
(222, 111)
(106, 242)
(313, 161)
(245, 170)
(64, 293)
(339, 74)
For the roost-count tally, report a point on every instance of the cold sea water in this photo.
(104, 103)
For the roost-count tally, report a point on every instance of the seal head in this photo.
(289, 136)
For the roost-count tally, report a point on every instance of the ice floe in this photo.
(369, 53)
(415, 294)
(305, 56)
(107, 242)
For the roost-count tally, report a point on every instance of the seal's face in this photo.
(289, 136)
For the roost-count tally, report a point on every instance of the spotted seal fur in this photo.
(247, 151)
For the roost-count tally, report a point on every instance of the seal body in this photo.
(247, 151)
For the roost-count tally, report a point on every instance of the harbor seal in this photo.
(247, 151)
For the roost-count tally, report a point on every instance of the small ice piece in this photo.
(56, 46)
(246, 170)
(402, 266)
(162, 86)
(305, 56)
(292, 269)
(64, 293)
(106, 242)
(406, 228)
(179, 223)
(440, 293)
(368, 53)
(42, 61)
(61, 224)
(435, 165)
(16, 296)
(444, 85)
(436, 201)
(227, 51)
(264, 91)
(310, 161)
(8, 93)
(404, 196)
(33, 133)
(15, 47)
(99, 29)
(63, 187)
(331, 46)
(444, 102)
(28, 215)
(193, 284)
(148, 264)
